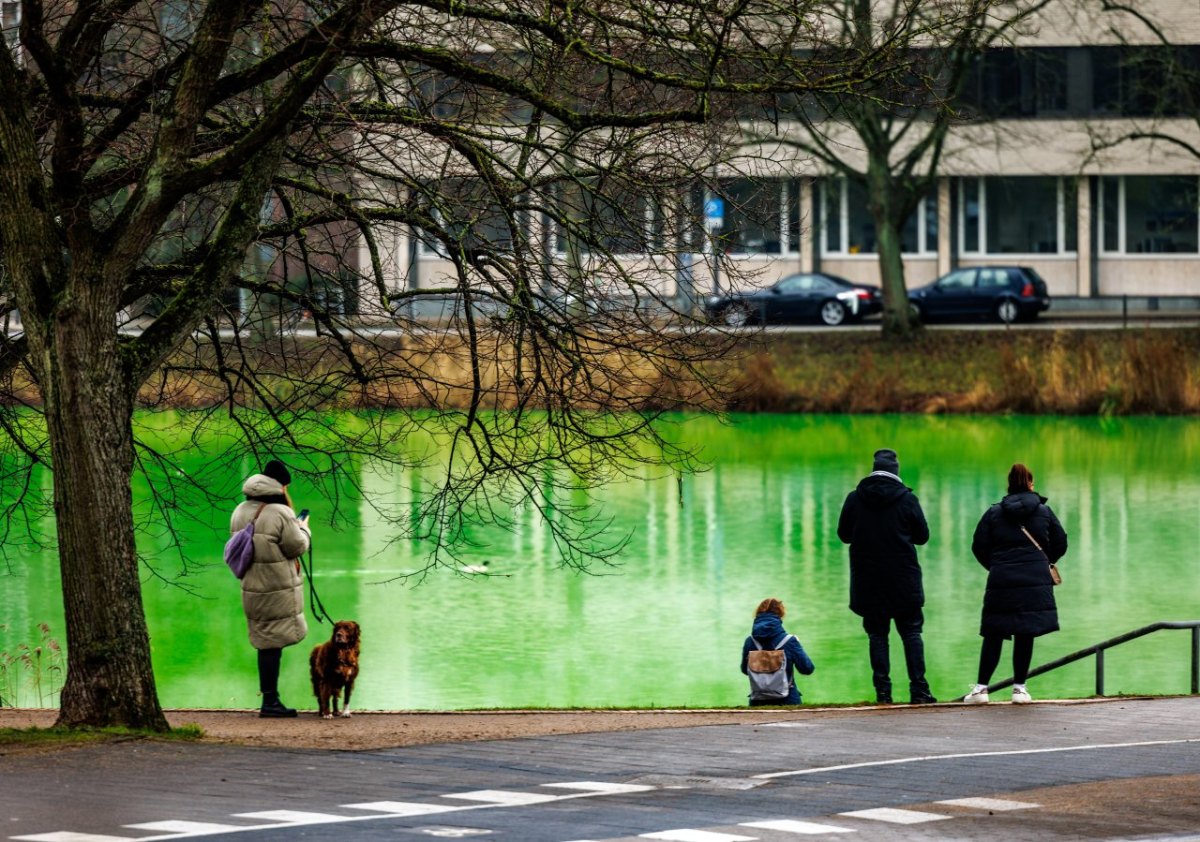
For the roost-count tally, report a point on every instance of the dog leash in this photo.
(314, 601)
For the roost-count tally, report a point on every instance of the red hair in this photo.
(770, 606)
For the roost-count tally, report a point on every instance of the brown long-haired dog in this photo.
(334, 666)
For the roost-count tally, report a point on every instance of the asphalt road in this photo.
(1121, 769)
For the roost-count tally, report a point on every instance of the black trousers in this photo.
(908, 626)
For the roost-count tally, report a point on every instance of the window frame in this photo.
(654, 216)
(789, 224)
(431, 248)
(981, 220)
(1123, 219)
(926, 210)
(13, 41)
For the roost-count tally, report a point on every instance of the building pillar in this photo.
(1083, 238)
(400, 254)
(808, 225)
(945, 242)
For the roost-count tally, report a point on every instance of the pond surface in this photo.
(666, 628)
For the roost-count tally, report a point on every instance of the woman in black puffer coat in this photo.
(1016, 540)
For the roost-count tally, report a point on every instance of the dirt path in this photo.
(388, 730)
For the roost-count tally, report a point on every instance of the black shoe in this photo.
(883, 698)
(922, 699)
(275, 709)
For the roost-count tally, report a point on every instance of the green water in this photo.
(666, 628)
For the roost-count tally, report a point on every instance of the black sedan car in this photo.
(805, 297)
(1004, 293)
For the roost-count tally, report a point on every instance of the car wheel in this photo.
(1007, 311)
(914, 312)
(832, 313)
(736, 315)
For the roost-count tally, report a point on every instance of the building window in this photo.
(468, 219)
(759, 216)
(849, 228)
(610, 220)
(1144, 81)
(1018, 215)
(1007, 82)
(10, 22)
(1149, 214)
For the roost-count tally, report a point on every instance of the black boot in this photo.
(268, 684)
(272, 708)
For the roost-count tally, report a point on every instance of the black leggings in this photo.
(989, 657)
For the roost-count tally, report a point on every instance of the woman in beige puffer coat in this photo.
(272, 589)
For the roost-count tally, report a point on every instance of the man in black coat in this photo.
(882, 522)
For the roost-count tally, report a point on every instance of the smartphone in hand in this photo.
(303, 514)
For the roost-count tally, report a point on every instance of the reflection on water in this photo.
(666, 627)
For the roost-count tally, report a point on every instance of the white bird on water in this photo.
(482, 567)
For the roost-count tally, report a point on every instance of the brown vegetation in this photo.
(1111, 372)
(1065, 372)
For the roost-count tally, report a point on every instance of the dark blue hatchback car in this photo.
(1004, 293)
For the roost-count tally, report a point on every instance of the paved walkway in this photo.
(1121, 769)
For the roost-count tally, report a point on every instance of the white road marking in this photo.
(182, 829)
(793, 826)
(997, 804)
(602, 787)
(185, 827)
(785, 725)
(293, 817)
(505, 798)
(404, 808)
(685, 835)
(894, 816)
(817, 770)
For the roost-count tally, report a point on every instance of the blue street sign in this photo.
(714, 212)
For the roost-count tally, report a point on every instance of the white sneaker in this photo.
(977, 696)
(1020, 695)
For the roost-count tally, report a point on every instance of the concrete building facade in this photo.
(1084, 164)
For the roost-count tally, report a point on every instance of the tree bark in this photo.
(897, 318)
(89, 408)
(888, 212)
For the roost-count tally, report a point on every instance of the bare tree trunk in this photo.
(887, 210)
(89, 408)
(897, 318)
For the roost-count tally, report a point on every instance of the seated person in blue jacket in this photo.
(771, 678)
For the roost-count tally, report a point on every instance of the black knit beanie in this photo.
(277, 471)
(886, 460)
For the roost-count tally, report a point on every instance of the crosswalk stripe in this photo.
(793, 826)
(71, 836)
(180, 826)
(292, 817)
(686, 835)
(601, 786)
(403, 808)
(894, 816)
(997, 804)
(505, 797)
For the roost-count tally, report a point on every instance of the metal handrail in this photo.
(1098, 650)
